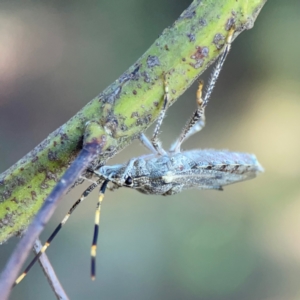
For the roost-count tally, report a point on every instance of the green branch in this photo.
(127, 107)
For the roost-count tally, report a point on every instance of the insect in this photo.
(169, 172)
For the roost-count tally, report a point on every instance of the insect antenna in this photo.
(57, 229)
(96, 229)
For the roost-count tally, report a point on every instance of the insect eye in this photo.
(128, 181)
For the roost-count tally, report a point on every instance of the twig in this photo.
(50, 273)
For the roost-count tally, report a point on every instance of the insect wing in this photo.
(211, 169)
(206, 179)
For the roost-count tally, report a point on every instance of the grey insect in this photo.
(173, 172)
(169, 172)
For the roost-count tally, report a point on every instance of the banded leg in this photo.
(154, 140)
(197, 121)
(96, 230)
(57, 229)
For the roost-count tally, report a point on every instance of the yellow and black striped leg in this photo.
(57, 229)
(96, 230)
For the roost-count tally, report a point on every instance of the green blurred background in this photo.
(243, 243)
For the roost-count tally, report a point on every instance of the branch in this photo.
(124, 110)
(127, 107)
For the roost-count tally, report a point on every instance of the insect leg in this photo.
(147, 143)
(197, 121)
(155, 142)
(96, 230)
(57, 229)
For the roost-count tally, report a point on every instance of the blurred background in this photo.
(243, 243)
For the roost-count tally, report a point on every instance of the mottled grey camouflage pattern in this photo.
(172, 173)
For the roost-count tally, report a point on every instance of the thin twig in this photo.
(50, 273)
